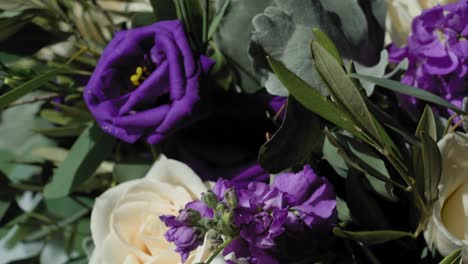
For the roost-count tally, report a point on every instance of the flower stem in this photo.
(219, 249)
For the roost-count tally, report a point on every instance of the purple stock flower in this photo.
(181, 231)
(146, 82)
(437, 51)
(297, 204)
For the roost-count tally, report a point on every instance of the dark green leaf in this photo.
(164, 9)
(363, 206)
(313, 100)
(363, 158)
(427, 124)
(27, 87)
(130, 171)
(343, 90)
(409, 90)
(294, 141)
(432, 161)
(371, 237)
(55, 117)
(453, 258)
(90, 149)
(4, 205)
(328, 44)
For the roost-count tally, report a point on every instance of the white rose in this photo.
(125, 222)
(448, 228)
(400, 14)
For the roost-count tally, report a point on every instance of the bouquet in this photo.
(233, 131)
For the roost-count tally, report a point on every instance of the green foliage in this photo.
(90, 149)
(293, 143)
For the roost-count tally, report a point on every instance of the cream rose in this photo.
(400, 14)
(448, 228)
(125, 222)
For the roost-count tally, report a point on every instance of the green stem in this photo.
(219, 249)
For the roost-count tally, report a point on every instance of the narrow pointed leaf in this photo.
(371, 237)
(90, 149)
(311, 99)
(409, 90)
(328, 44)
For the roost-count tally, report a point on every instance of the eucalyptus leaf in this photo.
(233, 39)
(294, 141)
(409, 90)
(283, 31)
(54, 251)
(88, 152)
(371, 237)
(19, 251)
(378, 70)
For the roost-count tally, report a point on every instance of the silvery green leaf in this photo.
(377, 70)
(233, 39)
(284, 31)
(54, 252)
(20, 250)
(28, 201)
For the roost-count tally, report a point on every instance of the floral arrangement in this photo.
(233, 131)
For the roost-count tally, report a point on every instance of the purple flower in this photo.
(437, 51)
(181, 231)
(299, 207)
(146, 82)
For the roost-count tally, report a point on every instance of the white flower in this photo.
(448, 228)
(400, 14)
(125, 222)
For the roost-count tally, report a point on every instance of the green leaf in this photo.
(363, 206)
(371, 237)
(85, 156)
(343, 90)
(65, 131)
(453, 258)
(432, 161)
(328, 44)
(409, 90)
(217, 19)
(363, 158)
(4, 205)
(427, 125)
(142, 19)
(164, 9)
(55, 117)
(313, 100)
(27, 87)
(130, 171)
(294, 141)
(75, 112)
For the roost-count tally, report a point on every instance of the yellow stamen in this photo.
(135, 78)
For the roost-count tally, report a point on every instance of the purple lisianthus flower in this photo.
(146, 82)
(437, 51)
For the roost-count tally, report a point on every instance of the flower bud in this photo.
(210, 199)
(231, 198)
(189, 216)
(228, 217)
(214, 239)
(221, 208)
(207, 223)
